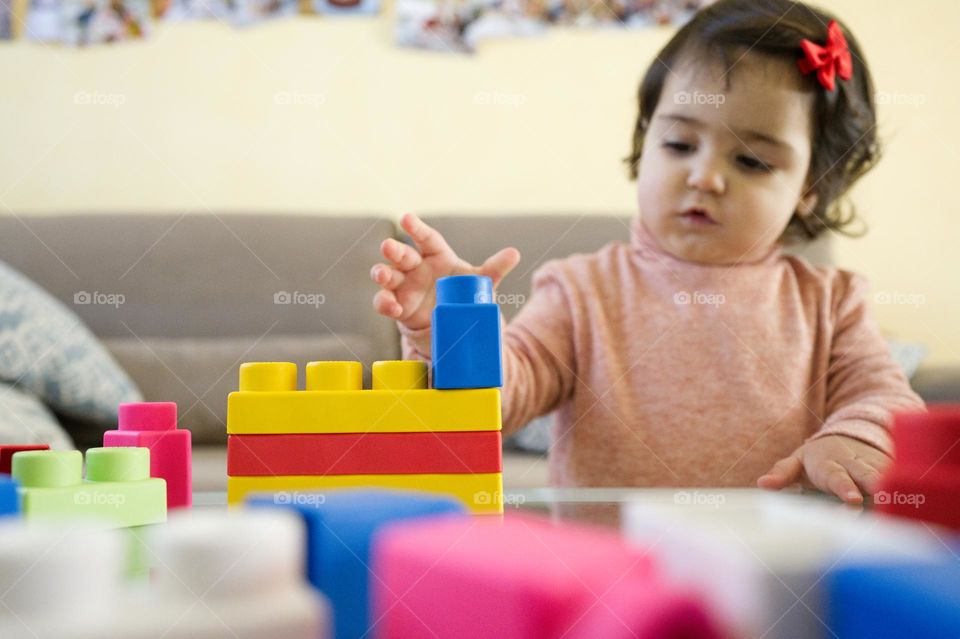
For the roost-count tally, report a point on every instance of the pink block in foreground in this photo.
(153, 425)
(522, 577)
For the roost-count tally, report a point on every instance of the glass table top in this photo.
(601, 506)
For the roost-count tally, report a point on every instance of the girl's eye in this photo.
(678, 147)
(753, 164)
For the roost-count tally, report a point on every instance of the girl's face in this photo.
(723, 168)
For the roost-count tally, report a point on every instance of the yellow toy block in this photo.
(481, 493)
(342, 376)
(398, 376)
(268, 402)
(268, 376)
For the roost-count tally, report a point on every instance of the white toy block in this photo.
(758, 557)
(59, 581)
(237, 574)
(217, 574)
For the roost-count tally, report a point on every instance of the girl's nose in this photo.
(705, 176)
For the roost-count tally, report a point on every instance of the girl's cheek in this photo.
(647, 191)
(659, 170)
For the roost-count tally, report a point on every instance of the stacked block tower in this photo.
(400, 434)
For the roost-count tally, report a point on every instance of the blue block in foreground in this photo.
(892, 602)
(9, 501)
(340, 526)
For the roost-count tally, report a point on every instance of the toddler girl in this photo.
(699, 354)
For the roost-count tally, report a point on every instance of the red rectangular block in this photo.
(364, 453)
(7, 451)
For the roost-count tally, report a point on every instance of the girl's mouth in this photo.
(698, 217)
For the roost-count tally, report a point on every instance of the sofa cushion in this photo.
(208, 275)
(47, 351)
(909, 355)
(938, 384)
(198, 373)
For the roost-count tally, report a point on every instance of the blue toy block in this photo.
(895, 601)
(340, 527)
(9, 501)
(465, 336)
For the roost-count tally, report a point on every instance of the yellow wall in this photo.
(526, 125)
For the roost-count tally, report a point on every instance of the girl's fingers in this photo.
(500, 263)
(403, 257)
(785, 472)
(386, 276)
(839, 482)
(864, 475)
(385, 303)
(427, 238)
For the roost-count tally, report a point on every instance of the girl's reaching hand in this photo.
(406, 281)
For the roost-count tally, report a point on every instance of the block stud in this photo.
(334, 376)
(147, 416)
(118, 464)
(47, 468)
(465, 289)
(399, 375)
(268, 376)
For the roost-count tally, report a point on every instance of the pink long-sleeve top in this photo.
(671, 373)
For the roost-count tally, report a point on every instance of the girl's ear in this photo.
(806, 204)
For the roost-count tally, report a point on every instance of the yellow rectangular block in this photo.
(481, 493)
(363, 411)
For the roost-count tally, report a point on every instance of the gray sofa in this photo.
(203, 293)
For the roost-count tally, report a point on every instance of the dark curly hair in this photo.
(844, 145)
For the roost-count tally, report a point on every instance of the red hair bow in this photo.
(828, 60)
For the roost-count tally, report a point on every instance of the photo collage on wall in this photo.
(451, 26)
(246, 12)
(88, 22)
(85, 22)
(6, 20)
(457, 26)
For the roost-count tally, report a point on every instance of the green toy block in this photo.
(118, 489)
(137, 558)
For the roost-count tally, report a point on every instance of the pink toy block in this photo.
(160, 416)
(153, 425)
(522, 578)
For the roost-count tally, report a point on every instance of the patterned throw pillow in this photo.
(47, 351)
(908, 354)
(25, 420)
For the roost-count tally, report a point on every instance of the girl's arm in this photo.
(865, 386)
